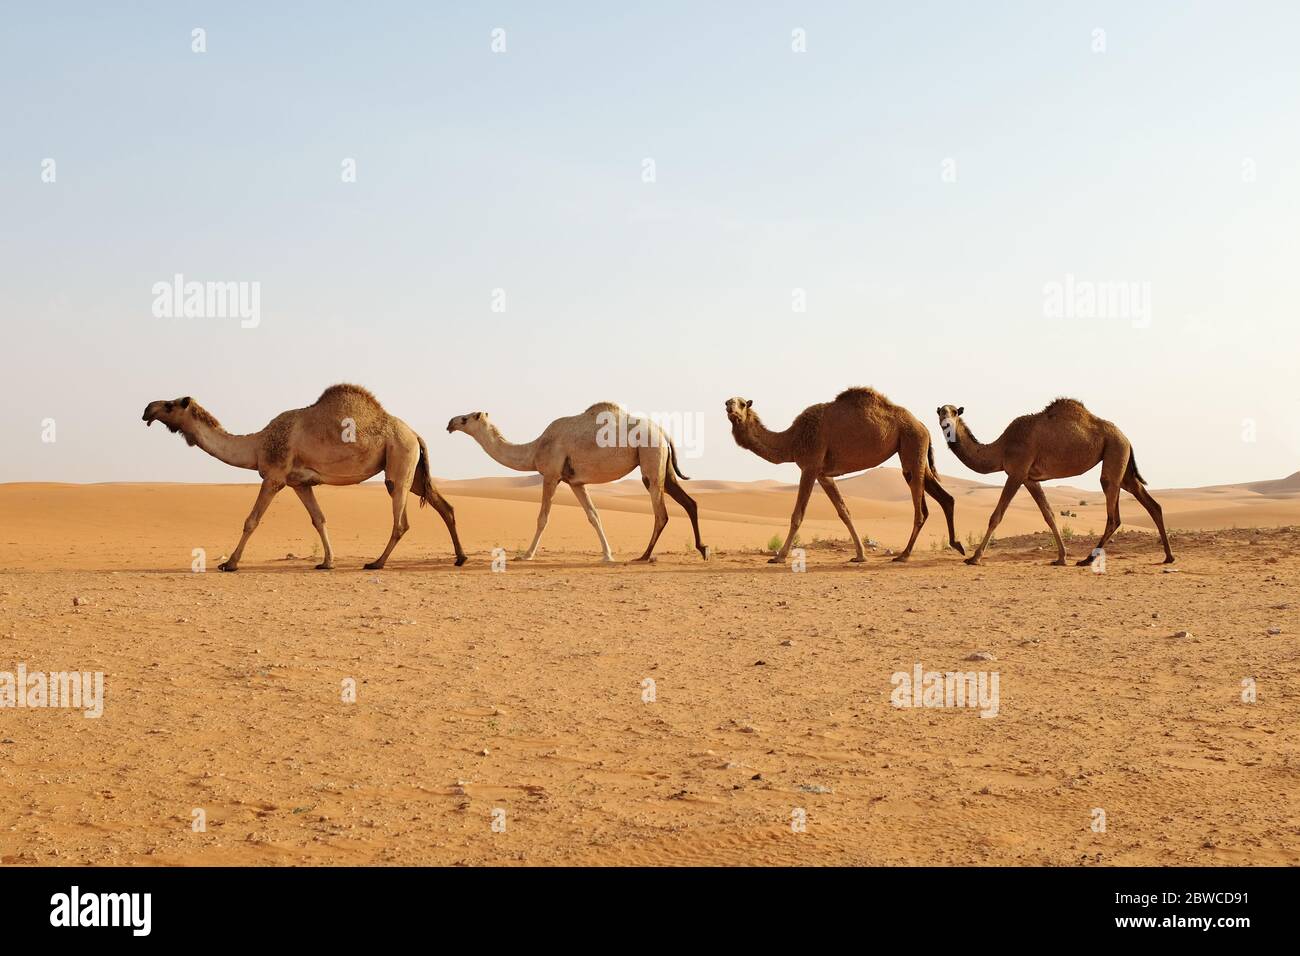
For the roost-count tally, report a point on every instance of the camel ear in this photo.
(749, 404)
(476, 416)
(185, 402)
(939, 410)
(962, 410)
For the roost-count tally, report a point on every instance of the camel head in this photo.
(174, 413)
(471, 423)
(739, 410)
(949, 415)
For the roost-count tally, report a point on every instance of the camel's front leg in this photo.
(806, 480)
(1036, 491)
(270, 488)
(833, 492)
(548, 492)
(580, 492)
(308, 499)
(1008, 492)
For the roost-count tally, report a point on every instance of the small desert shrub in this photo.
(774, 543)
(1066, 531)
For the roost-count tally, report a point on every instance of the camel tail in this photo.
(929, 453)
(423, 485)
(672, 458)
(1133, 468)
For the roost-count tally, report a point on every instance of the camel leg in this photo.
(945, 500)
(833, 492)
(679, 495)
(400, 486)
(269, 490)
(806, 480)
(916, 482)
(1008, 492)
(1112, 473)
(308, 499)
(580, 492)
(1135, 488)
(661, 516)
(548, 492)
(444, 508)
(1036, 490)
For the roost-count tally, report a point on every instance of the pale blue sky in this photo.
(775, 170)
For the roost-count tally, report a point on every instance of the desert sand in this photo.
(519, 698)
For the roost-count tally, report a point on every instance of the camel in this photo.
(1061, 441)
(859, 430)
(601, 444)
(345, 438)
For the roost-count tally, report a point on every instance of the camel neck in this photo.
(516, 457)
(972, 453)
(237, 450)
(762, 441)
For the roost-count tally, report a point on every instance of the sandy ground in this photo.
(523, 692)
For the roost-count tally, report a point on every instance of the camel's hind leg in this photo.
(915, 478)
(580, 492)
(1113, 466)
(448, 513)
(548, 492)
(398, 474)
(1138, 491)
(1008, 492)
(806, 480)
(269, 490)
(1036, 490)
(308, 498)
(940, 494)
(654, 465)
(833, 492)
(679, 495)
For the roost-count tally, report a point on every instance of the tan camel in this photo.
(602, 444)
(1061, 441)
(859, 430)
(345, 438)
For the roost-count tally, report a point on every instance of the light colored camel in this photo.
(859, 430)
(1061, 441)
(345, 438)
(602, 444)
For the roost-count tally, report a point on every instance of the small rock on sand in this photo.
(981, 656)
(1181, 634)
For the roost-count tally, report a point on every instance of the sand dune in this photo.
(522, 693)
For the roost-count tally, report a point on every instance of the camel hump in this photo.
(604, 407)
(1065, 406)
(348, 393)
(860, 395)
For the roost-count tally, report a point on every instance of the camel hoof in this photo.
(608, 559)
(956, 546)
(704, 552)
(325, 566)
(374, 566)
(858, 560)
(776, 560)
(902, 557)
(227, 566)
(1083, 562)
(460, 559)
(1169, 560)
(972, 560)
(1059, 563)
